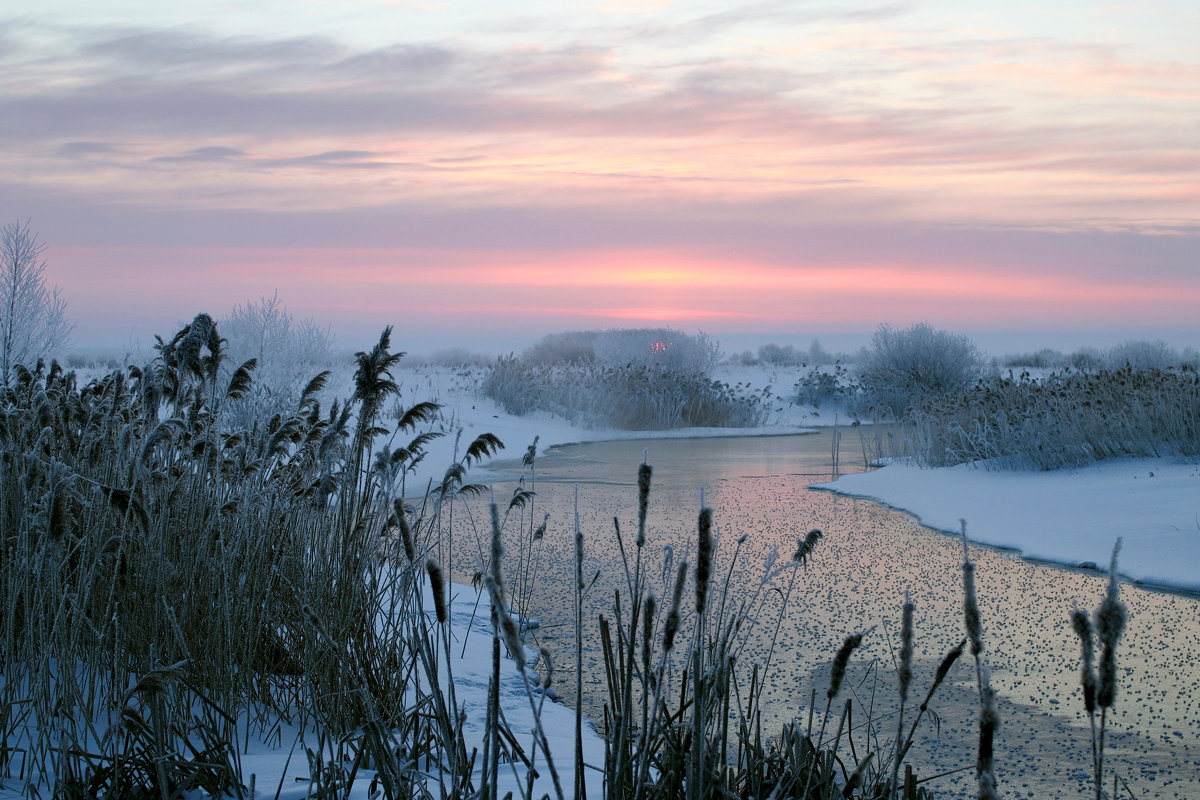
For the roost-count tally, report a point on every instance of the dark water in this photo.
(869, 557)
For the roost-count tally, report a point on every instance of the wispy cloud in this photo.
(204, 154)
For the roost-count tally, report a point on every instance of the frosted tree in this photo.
(287, 353)
(33, 318)
(903, 365)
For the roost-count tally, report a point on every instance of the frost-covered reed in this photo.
(1063, 419)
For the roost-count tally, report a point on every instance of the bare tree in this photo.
(288, 353)
(33, 321)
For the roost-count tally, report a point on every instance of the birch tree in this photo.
(33, 321)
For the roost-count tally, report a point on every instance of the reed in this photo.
(1099, 681)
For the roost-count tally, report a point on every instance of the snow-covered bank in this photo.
(1067, 517)
(278, 767)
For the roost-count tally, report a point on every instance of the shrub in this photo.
(823, 384)
(660, 348)
(902, 366)
(780, 355)
(1045, 358)
(573, 347)
(630, 397)
(647, 379)
(1142, 354)
(456, 357)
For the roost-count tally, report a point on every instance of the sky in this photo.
(485, 173)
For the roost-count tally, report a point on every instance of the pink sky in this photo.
(784, 169)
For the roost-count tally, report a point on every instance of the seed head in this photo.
(840, 661)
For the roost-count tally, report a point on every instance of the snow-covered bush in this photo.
(781, 355)
(452, 357)
(647, 379)
(1143, 354)
(901, 366)
(563, 348)
(824, 385)
(1046, 358)
(659, 348)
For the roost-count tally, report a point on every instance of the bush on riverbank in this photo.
(653, 379)
(902, 366)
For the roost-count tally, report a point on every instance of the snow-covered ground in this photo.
(286, 765)
(1067, 516)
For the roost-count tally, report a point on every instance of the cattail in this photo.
(508, 628)
(856, 778)
(650, 606)
(548, 678)
(840, 661)
(943, 670)
(644, 473)
(406, 537)
(437, 585)
(497, 549)
(1087, 673)
(578, 546)
(704, 558)
(989, 721)
(970, 600)
(805, 546)
(1110, 623)
(672, 625)
(906, 648)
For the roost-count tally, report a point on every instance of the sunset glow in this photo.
(753, 168)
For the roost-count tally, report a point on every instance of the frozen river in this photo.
(869, 557)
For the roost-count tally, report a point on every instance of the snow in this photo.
(282, 767)
(1068, 516)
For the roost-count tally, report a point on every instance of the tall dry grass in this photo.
(167, 579)
(1063, 419)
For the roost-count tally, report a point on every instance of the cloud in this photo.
(877, 132)
(332, 159)
(204, 154)
(85, 149)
